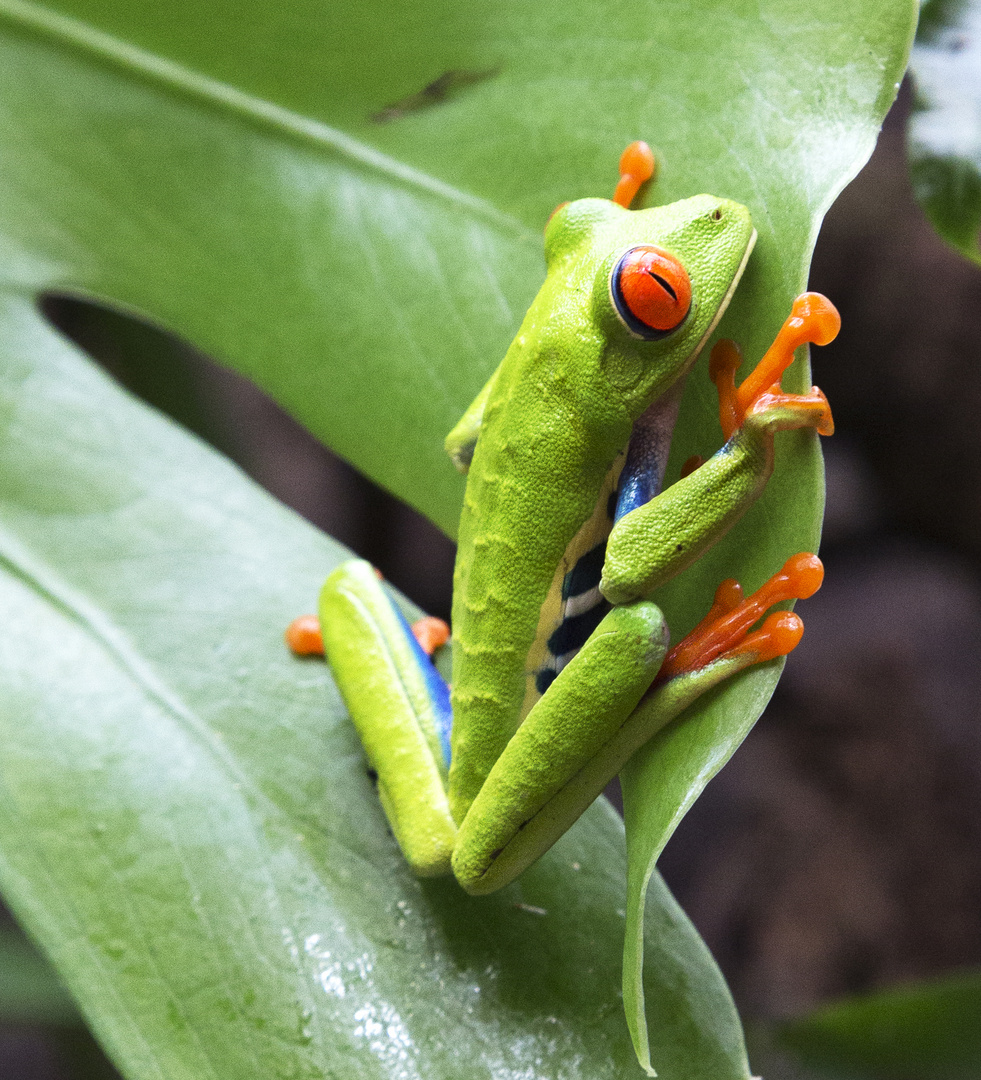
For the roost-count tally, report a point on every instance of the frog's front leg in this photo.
(654, 542)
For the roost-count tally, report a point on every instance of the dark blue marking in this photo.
(544, 679)
(439, 692)
(611, 505)
(639, 481)
(585, 575)
(572, 633)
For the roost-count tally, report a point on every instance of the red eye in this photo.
(651, 291)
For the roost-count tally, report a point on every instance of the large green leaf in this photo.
(924, 1031)
(187, 822)
(233, 185)
(222, 169)
(945, 128)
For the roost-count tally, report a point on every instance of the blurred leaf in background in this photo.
(945, 129)
(926, 1031)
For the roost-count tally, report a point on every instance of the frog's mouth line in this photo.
(728, 296)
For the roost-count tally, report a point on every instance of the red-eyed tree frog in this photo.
(561, 662)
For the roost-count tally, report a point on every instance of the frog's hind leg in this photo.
(399, 705)
(556, 763)
(573, 742)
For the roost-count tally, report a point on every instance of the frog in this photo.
(562, 664)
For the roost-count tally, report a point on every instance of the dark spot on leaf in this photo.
(435, 93)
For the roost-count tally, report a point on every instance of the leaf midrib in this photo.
(51, 589)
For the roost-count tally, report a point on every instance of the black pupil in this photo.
(664, 285)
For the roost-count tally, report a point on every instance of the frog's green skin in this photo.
(560, 411)
(544, 442)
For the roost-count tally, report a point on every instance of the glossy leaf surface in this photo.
(923, 1031)
(345, 203)
(186, 818)
(945, 129)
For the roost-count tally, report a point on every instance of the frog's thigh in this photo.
(384, 688)
(536, 789)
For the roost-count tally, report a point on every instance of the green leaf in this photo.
(186, 819)
(235, 187)
(826, 94)
(945, 128)
(345, 203)
(924, 1031)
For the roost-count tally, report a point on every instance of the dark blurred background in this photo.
(841, 848)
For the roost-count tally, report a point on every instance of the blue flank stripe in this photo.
(585, 575)
(439, 692)
(642, 475)
(640, 479)
(574, 630)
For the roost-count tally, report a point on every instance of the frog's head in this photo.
(659, 281)
(661, 291)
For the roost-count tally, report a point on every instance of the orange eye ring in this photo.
(651, 292)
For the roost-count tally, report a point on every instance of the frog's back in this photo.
(544, 455)
(559, 414)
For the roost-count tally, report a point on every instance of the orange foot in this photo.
(431, 633)
(724, 632)
(303, 636)
(813, 318)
